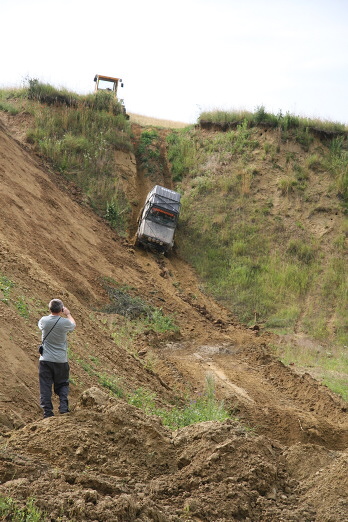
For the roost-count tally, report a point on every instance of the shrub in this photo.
(262, 117)
(304, 137)
(117, 211)
(161, 323)
(124, 304)
(45, 93)
(103, 101)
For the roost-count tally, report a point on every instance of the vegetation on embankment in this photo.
(223, 120)
(79, 136)
(264, 221)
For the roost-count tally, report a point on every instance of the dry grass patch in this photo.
(155, 122)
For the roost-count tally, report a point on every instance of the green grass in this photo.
(46, 93)
(80, 142)
(12, 510)
(5, 288)
(126, 331)
(22, 307)
(239, 243)
(79, 136)
(339, 167)
(330, 365)
(9, 294)
(9, 107)
(148, 151)
(206, 407)
(113, 384)
(337, 385)
(262, 117)
(139, 314)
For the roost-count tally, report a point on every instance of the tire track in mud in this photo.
(218, 373)
(265, 394)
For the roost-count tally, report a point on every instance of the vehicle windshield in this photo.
(163, 217)
(105, 85)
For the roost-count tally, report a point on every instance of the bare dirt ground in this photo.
(283, 458)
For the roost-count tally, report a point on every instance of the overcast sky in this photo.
(179, 58)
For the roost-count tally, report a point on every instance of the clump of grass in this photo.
(117, 211)
(205, 408)
(22, 307)
(136, 309)
(301, 250)
(223, 117)
(161, 323)
(315, 163)
(144, 400)
(304, 137)
(124, 304)
(337, 385)
(46, 93)
(103, 101)
(148, 151)
(5, 288)
(10, 509)
(338, 165)
(284, 320)
(181, 152)
(9, 107)
(112, 384)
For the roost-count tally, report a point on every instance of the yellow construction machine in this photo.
(108, 83)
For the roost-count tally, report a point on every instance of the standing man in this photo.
(53, 362)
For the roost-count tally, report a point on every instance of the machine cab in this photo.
(107, 83)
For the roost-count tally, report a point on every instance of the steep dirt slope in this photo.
(284, 459)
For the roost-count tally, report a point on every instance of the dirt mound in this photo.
(283, 457)
(108, 461)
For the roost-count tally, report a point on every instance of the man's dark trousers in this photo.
(56, 375)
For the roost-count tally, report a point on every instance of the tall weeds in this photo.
(245, 251)
(80, 136)
(262, 117)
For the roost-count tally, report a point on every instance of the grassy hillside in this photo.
(266, 212)
(78, 135)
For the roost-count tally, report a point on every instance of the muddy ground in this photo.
(281, 457)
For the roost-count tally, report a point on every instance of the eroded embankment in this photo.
(108, 460)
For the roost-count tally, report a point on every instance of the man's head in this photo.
(56, 306)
